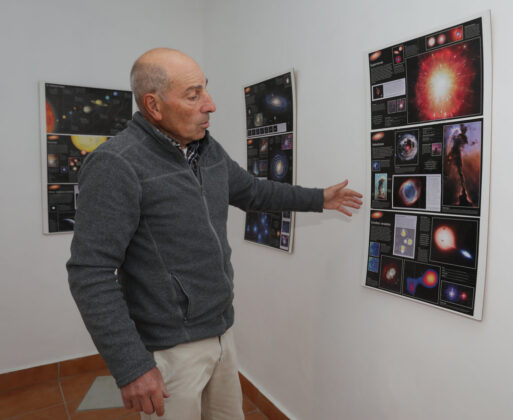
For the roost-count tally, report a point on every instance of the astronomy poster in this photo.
(270, 142)
(75, 121)
(429, 166)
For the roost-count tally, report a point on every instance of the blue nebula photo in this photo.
(373, 264)
(374, 249)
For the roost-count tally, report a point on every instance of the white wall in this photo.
(315, 341)
(91, 43)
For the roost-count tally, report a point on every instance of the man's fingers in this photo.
(158, 403)
(147, 405)
(128, 403)
(354, 206)
(345, 211)
(136, 405)
(353, 193)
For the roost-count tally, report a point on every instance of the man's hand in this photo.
(146, 393)
(338, 197)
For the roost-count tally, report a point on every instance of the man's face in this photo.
(186, 106)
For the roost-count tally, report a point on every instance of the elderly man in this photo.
(150, 263)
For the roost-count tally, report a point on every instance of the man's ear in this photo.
(152, 106)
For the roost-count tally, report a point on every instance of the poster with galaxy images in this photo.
(270, 143)
(429, 109)
(75, 120)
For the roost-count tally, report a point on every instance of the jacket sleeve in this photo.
(250, 193)
(107, 216)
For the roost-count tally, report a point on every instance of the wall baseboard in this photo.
(54, 371)
(263, 403)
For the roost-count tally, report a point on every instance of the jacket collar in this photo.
(160, 137)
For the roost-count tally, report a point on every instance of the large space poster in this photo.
(270, 142)
(75, 120)
(429, 166)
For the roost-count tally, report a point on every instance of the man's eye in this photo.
(193, 98)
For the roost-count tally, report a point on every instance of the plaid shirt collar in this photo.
(191, 153)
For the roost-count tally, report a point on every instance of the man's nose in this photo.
(208, 105)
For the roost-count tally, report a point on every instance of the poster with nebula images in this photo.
(438, 76)
(75, 120)
(270, 143)
(428, 166)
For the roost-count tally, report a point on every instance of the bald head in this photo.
(153, 72)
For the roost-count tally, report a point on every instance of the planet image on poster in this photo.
(50, 118)
(279, 166)
(86, 144)
(407, 147)
(410, 191)
(431, 42)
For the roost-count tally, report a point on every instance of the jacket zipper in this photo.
(198, 180)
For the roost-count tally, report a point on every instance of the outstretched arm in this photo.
(338, 197)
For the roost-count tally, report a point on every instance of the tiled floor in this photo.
(58, 399)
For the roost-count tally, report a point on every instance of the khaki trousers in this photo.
(202, 378)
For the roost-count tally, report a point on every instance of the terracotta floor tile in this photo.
(256, 415)
(135, 416)
(110, 414)
(30, 398)
(249, 389)
(75, 387)
(247, 405)
(27, 377)
(53, 413)
(81, 365)
(269, 409)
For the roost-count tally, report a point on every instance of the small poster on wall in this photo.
(271, 146)
(429, 166)
(75, 120)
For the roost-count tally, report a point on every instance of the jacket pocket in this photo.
(184, 299)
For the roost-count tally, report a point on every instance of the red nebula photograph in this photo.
(445, 83)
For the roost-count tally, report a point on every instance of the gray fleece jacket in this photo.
(150, 260)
